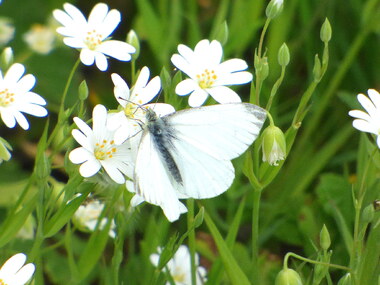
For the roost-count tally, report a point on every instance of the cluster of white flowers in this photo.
(113, 141)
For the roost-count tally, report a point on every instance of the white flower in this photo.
(208, 75)
(369, 121)
(40, 38)
(180, 267)
(91, 36)
(98, 148)
(16, 97)
(87, 217)
(133, 103)
(14, 272)
(7, 30)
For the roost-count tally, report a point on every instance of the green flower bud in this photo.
(368, 214)
(261, 67)
(5, 148)
(326, 31)
(133, 40)
(6, 58)
(324, 238)
(345, 280)
(274, 8)
(273, 145)
(317, 69)
(83, 90)
(283, 55)
(288, 277)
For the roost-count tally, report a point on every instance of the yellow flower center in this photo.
(179, 277)
(207, 78)
(6, 98)
(93, 39)
(104, 150)
(134, 109)
(2, 282)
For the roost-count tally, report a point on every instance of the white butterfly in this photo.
(187, 154)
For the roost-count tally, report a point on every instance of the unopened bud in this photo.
(368, 214)
(283, 55)
(5, 148)
(288, 277)
(345, 280)
(83, 90)
(6, 59)
(133, 40)
(274, 8)
(261, 67)
(273, 145)
(326, 31)
(324, 237)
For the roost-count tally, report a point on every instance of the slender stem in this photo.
(133, 71)
(356, 245)
(255, 236)
(262, 37)
(62, 106)
(190, 228)
(289, 254)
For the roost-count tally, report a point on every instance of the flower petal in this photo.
(80, 155)
(14, 73)
(110, 23)
(233, 65)
(101, 61)
(75, 14)
(97, 14)
(21, 120)
(13, 264)
(375, 97)
(26, 83)
(197, 98)
(150, 91)
(24, 274)
(113, 172)
(76, 43)
(183, 65)
(87, 57)
(186, 86)
(33, 109)
(364, 126)
(241, 77)
(223, 94)
(117, 49)
(89, 168)
(8, 118)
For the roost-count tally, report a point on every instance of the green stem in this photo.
(356, 251)
(191, 231)
(289, 254)
(255, 236)
(62, 106)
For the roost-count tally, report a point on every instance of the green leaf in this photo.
(234, 272)
(11, 227)
(65, 213)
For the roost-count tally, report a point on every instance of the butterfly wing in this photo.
(152, 181)
(206, 139)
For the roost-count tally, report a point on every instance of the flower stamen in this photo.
(207, 78)
(93, 39)
(104, 151)
(6, 98)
